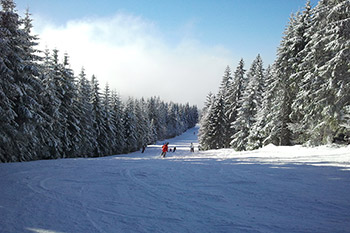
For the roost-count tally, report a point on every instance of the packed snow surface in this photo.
(274, 189)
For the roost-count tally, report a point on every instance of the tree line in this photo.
(302, 98)
(46, 112)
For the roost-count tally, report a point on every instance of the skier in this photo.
(164, 149)
(174, 149)
(192, 147)
(143, 148)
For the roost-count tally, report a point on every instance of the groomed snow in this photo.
(274, 189)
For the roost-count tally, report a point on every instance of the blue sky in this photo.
(154, 33)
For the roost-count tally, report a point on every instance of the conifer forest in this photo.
(302, 98)
(47, 112)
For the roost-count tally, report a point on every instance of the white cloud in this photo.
(132, 55)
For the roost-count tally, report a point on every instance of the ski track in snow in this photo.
(274, 189)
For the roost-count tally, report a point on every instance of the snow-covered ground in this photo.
(274, 189)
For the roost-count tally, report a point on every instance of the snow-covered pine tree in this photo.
(255, 137)
(146, 122)
(117, 119)
(259, 131)
(44, 134)
(153, 133)
(86, 122)
(224, 94)
(130, 128)
(157, 115)
(172, 121)
(8, 88)
(162, 117)
(286, 81)
(325, 84)
(190, 116)
(250, 104)
(98, 117)
(180, 115)
(194, 116)
(284, 68)
(334, 71)
(19, 69)
(109, 126)
(69, 110)
(285, 86)
(226, 82)
(218, 123)
(214, 126)
(235, 91)
(204, 133)
(50, 143)
(52, 95)
(142, 123)
(183, 118)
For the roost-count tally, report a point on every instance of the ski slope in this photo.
(274, 189)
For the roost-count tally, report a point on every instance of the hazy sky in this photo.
(177, 49)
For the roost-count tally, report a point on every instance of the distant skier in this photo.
(164, 149)
(174, 149)
(192, 147)
(143, 148)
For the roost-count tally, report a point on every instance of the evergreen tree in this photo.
(153, 133)
(20, 85)
(224, 94)
(259, 133)
(172, 121)
(286, 84)
(69, 110)
(218, 124)
(51, 104)
(145, 122)
(162, 117)
(86, 122)
(154, 114)
(109, 125)
(142, 123)
(117, 119)
(180, 116)
(324, 87)
(250, 104)
(98, 118)
(226, 82)
(235, 91)
(205, 131)
(43, 132)
(8, 88)
(130, 130)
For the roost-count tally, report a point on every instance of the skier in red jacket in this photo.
(164, 149)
